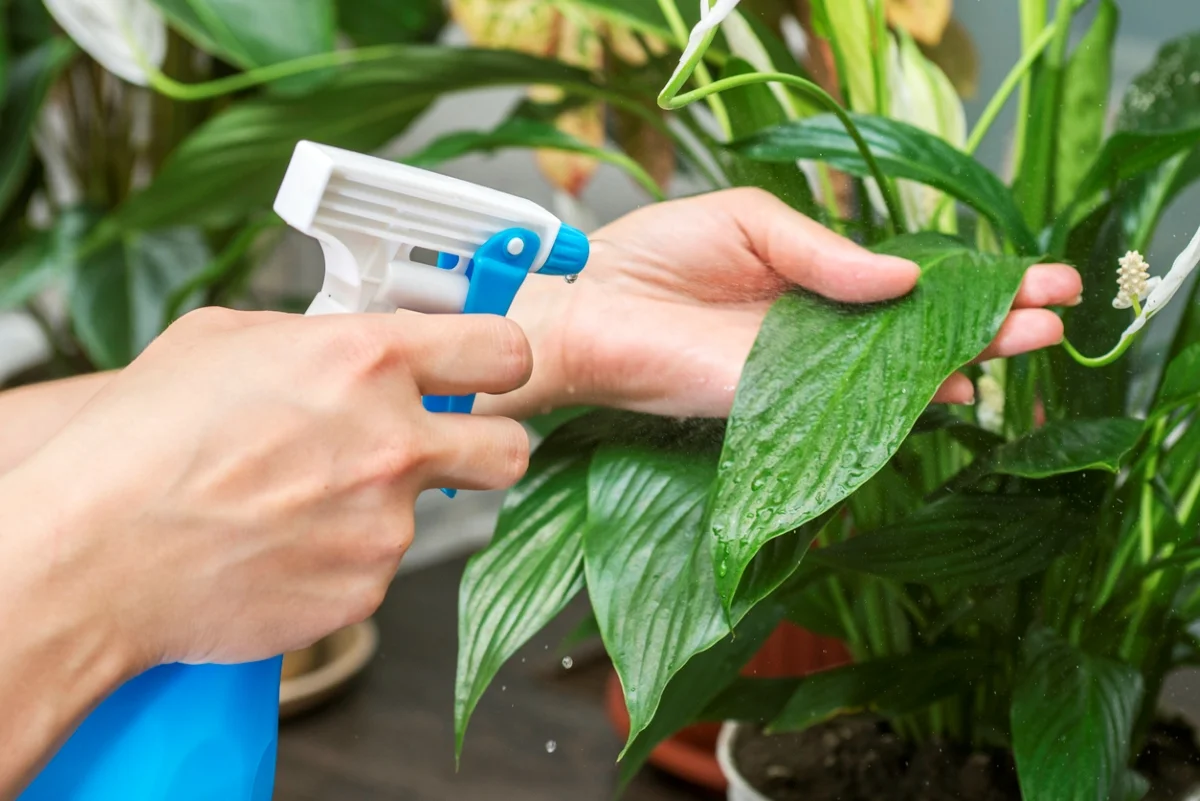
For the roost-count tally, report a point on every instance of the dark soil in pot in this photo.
(859, 759)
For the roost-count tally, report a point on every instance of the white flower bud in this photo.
(1132, 280)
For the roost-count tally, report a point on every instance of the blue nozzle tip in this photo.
(569, 254)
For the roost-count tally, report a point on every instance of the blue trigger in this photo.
(495, 276)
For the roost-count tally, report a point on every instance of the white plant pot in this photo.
(739, 788)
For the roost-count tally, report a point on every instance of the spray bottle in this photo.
(209, 732)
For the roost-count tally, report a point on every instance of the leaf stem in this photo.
(1099, 361)
(1000, 99)
(670, 99)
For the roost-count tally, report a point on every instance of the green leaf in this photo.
(750, 700)
(649, 575)
(970, 436)
(893, 686)
(903, 151)
(849, 27)
(29, 79)
(1128, 154)
(586, 630)
(1069, 447)
(1181, 384)
(119, 294)
(376, 22)
(960, 541)
(1084, 104)
(531, 569)
(252, 33)
(34, 263)
(523, 132)
(1072, 716)
(1157, 100)
(698, 683)
(830, 391)
(751, 109)
(232, 165)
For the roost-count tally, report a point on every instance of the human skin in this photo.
(247, 485)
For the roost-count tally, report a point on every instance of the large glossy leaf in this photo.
(119, 294)
(1072, 716)
(530, 570)
(232, 165)
(751, 109)
(649, 571)
(376, 22)
(959, 541)
(830, 391)
(1084, 104)
(1128, 154)
(29, 79)
(903, 151)
(1069, 447)
(253, 33)
(698, 683)
(892, 686)
(1181, 384)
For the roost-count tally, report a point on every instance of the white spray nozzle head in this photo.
(369, 214)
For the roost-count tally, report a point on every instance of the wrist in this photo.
(63, 650)
(540, 310)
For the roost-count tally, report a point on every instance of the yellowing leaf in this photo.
(925, 20)
(567, 171)
(529, 26)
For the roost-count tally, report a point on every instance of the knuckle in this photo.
(513, 453)
(366, 601)
(395, 460)
(361, 349)
(514, 356)
(206, 318)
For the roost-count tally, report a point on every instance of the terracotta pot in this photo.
(691, 754)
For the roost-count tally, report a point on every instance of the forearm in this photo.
(29, 416)
(60, 656)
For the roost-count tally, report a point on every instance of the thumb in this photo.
(810, 255)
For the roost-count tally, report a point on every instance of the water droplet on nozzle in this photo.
(570, 279)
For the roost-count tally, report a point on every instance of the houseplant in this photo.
(1015, 578)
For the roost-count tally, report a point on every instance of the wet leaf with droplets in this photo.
(824, 379)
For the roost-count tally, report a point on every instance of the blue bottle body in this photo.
(175, 733)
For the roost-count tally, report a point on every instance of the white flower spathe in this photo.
(1160, 292)
(710, 18)
(117, 33)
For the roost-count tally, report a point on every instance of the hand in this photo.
(247, 485)
(663, 318)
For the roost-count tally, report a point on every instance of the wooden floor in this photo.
(392, 736)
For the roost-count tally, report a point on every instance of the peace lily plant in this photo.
(1019, 575)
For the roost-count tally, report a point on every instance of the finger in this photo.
(956, 389)
(447, 354)
(809, 254)
(1024, 330)
(1049, 285)
(475, 453)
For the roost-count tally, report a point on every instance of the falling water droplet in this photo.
(570, 279)
(503, 688)
(551, 746)
(568, 662)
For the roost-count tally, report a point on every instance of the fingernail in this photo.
(1075, 301)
